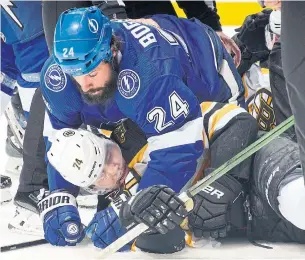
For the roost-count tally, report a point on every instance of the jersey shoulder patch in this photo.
(58, 89)
(129, 83)
(54, 78)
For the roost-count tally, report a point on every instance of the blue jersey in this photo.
(164, 77)
(21, 21)
(24, 49)
(22, 30)
(8, 69)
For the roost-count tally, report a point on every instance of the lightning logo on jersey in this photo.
(128, 83)
(93, 25)
(55, 77)
(7, 6)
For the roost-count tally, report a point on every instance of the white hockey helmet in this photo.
(273, 29)
(84, 159)
(275, 22)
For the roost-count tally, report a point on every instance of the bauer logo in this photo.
(213, 192)
(55, 79)
(72, 229)
(68, 133)
(128, 83)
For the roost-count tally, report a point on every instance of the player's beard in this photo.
(92, 97)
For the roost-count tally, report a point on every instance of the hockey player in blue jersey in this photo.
(103, 72)
(23, 53)
(24, 46)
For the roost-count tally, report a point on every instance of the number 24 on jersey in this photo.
(178, 107)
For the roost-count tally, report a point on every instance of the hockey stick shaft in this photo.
(217, 173)
(23, 245)
(244, 154)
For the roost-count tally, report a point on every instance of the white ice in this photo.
(232, 249)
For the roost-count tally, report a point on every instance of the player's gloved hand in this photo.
(61, 221)
(216, 207)
(105, 228)
(251, 39)
(158, 207)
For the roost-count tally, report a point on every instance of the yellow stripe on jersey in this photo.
(138, 157)
(105, 132)
(206, 106)
(131, 183)
(217, 115)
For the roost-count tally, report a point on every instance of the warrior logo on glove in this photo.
(53, 201)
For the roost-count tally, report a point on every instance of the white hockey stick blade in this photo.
(123, 240)
(131, 234)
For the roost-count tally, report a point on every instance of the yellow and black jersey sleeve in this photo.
(217, 117)
(133, 144)
(261, 108)
(131, 140)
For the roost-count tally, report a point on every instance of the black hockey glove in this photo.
(112, 9)
(158, 207)
(216, 207)
(251, 40)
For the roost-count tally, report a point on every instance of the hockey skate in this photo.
(5, 185)
(26, 219)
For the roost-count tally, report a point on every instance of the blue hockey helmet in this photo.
(82, 40)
